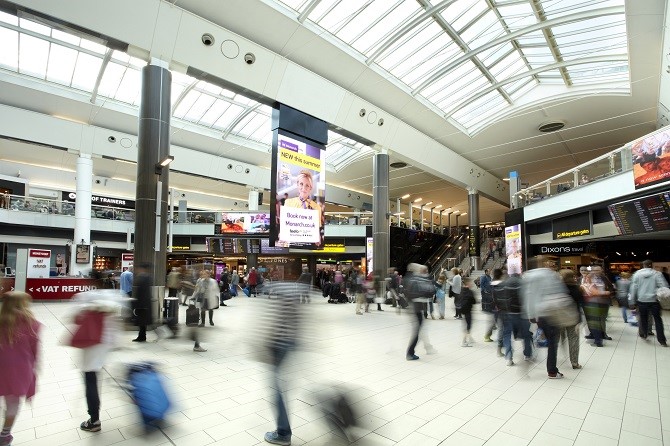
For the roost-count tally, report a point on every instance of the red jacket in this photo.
(253, 277)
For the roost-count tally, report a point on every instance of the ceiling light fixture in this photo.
(428, 204)
(418, 199)
(552, 126)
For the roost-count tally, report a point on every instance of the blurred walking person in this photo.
(643, 288)
(572, 332)
(142, 284)
(418, 289)
(19, 346)
(542, 291)
(455, 284)
(281, 325)
(96, 316)
(467, 301)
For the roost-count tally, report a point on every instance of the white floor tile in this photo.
(458, 396)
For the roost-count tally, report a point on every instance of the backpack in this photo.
(326, 289)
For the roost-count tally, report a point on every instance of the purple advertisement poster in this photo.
(300, 187)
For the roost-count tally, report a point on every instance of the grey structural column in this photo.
(152, 180)
(473, 217)
(380, 219)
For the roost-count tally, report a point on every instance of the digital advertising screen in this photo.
(299, 193)
(247, 223)
(642, 215)
(651, 160)
(513, 249)
(368, 255)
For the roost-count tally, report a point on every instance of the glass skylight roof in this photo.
(38, 51)
(468, 57)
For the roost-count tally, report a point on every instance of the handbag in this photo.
(89, 329)
(560, 310)
(198, 297)
(233, 290)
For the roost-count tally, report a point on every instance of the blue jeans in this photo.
(283, 426)
(514, 323)
(440, 306)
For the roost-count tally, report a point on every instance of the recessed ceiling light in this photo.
(398, 165)
(405, 196)
(551, 126)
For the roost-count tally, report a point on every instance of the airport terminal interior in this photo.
(465, 134)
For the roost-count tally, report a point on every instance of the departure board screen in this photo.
(220, 245)
(642, 215)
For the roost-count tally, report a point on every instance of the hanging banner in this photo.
(39, 263)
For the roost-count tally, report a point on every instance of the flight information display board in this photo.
(642, 215)
(220, 245)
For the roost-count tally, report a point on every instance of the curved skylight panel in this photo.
(363, 19)
(86, 72)
(9, 50)
(33, 55)
(480, 110)
(61, 65)
(487, 28)
(518, 89)
(186, 104)
(209, 88)
(333, 14)
(36, 27)
(412, 75)
(214, 113)
(508, 67)
(379, 32)
(252, 124)
(517, 16)
(551, 77)
(228, 116)
(199, 107)
(599, 73)
(296, 5)
(412, 43)
(493, 55)
(460, 13)
(558, 8)
(111, 79)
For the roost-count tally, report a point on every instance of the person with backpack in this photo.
(643, 289)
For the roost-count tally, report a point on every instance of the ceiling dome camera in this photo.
(249, 58)
(111, 139)
(247, 170)
(207, 39)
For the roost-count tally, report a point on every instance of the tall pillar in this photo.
(152, 179)
(253, 200)
(473, 237)
(380, 219)
(82, 215)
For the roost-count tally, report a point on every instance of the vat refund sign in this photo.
(39, 263)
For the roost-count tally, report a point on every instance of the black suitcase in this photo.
(192, 316)
(171, 311)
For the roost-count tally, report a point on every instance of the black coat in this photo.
(142, 293)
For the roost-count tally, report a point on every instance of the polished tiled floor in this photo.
(460, 396)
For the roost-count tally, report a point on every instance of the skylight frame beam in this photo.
(406, 28)
(308, 10)
(456, 37)
(551, 40)
(533, 73)
(101, 73)
(577, 17)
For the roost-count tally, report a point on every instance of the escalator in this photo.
(413, 246)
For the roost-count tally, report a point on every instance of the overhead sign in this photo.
(575, 225)
(102, 200)
(560, 249)
(59, 288)
(127, 260)
(39, 263)
(334, 247)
